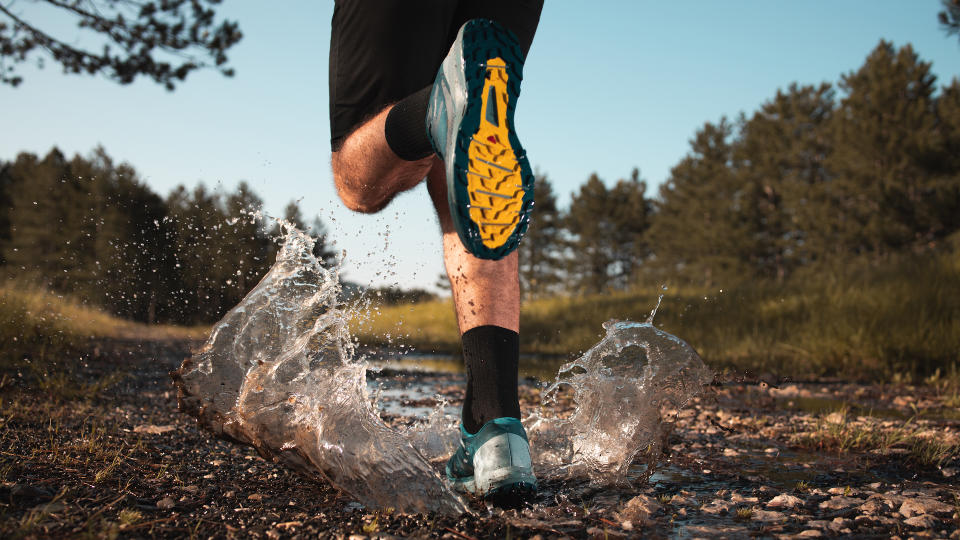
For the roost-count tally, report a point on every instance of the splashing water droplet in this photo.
(279, 372)
(620, 387)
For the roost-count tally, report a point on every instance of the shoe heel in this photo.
(502, 461)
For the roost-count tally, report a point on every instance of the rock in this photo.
(840, 525)
(768, 516)
(914, 507)
(737, 498)
(785, 501)
(810, 533)
(875, 505)
(717, 506)
(165, 503)
(834, 418)
(152, 429)
(949, 472)
(924, 521)
(818, 524)
(638, 509)
(840, 503)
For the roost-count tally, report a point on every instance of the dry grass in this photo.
(911, 441)
(861, 321)
(40, 325)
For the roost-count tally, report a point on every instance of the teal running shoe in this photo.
(470, 125)
(494, 463)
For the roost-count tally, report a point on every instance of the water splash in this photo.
(279, 372)
(621, 387)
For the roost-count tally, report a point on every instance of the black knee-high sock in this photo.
(406, 127)
(491, 355)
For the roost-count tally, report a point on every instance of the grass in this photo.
(39, 329)
(910, 441)
(859, 320)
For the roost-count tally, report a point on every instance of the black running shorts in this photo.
(381, 51)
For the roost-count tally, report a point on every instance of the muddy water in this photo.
(280, 372)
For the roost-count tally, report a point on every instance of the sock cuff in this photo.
(492, 332)
(406, 127)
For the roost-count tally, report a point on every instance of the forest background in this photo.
(817, 234)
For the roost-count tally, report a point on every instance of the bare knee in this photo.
(356, 192)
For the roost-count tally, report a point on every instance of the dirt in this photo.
(744, 460)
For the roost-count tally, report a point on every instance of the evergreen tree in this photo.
(131, 262)
(541, 252)
(950, 17)
(48, 241)
(197, 218)
(6, 187)
(322, 249)
(944, 184)
(700, 233)
(886, 144)
(607, 230)
(781, 153)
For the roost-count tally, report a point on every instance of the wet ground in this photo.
(91, 454)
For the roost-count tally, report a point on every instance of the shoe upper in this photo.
(448, 103)
(461, 465)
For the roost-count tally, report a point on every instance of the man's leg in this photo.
(367, 172)
(486, 295)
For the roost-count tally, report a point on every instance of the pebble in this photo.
(784, 501)
(913, 507)
(839, 503)
(767, 515)
(638, 509)
(165, 503)
(924, 521)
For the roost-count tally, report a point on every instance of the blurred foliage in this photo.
(950, 17)
(853, 319)
(163, 41)
(805, 180)
(91, 228)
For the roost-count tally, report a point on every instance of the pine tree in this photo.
(700, 233)
(950, 17)
(541, 252)
(885, 146)
(48, 242)
(6, 187)
(322, 249)
(781, 153)
(607, 230)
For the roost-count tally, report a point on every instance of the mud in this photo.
(743, 460)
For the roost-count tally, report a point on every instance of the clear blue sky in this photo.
(607, 86)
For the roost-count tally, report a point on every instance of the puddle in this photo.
(540, 367)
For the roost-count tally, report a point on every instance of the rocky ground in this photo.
(97, 448)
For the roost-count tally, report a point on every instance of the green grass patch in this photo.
(863, 321)
(909, 441)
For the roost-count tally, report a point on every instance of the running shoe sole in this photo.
(489, 180)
